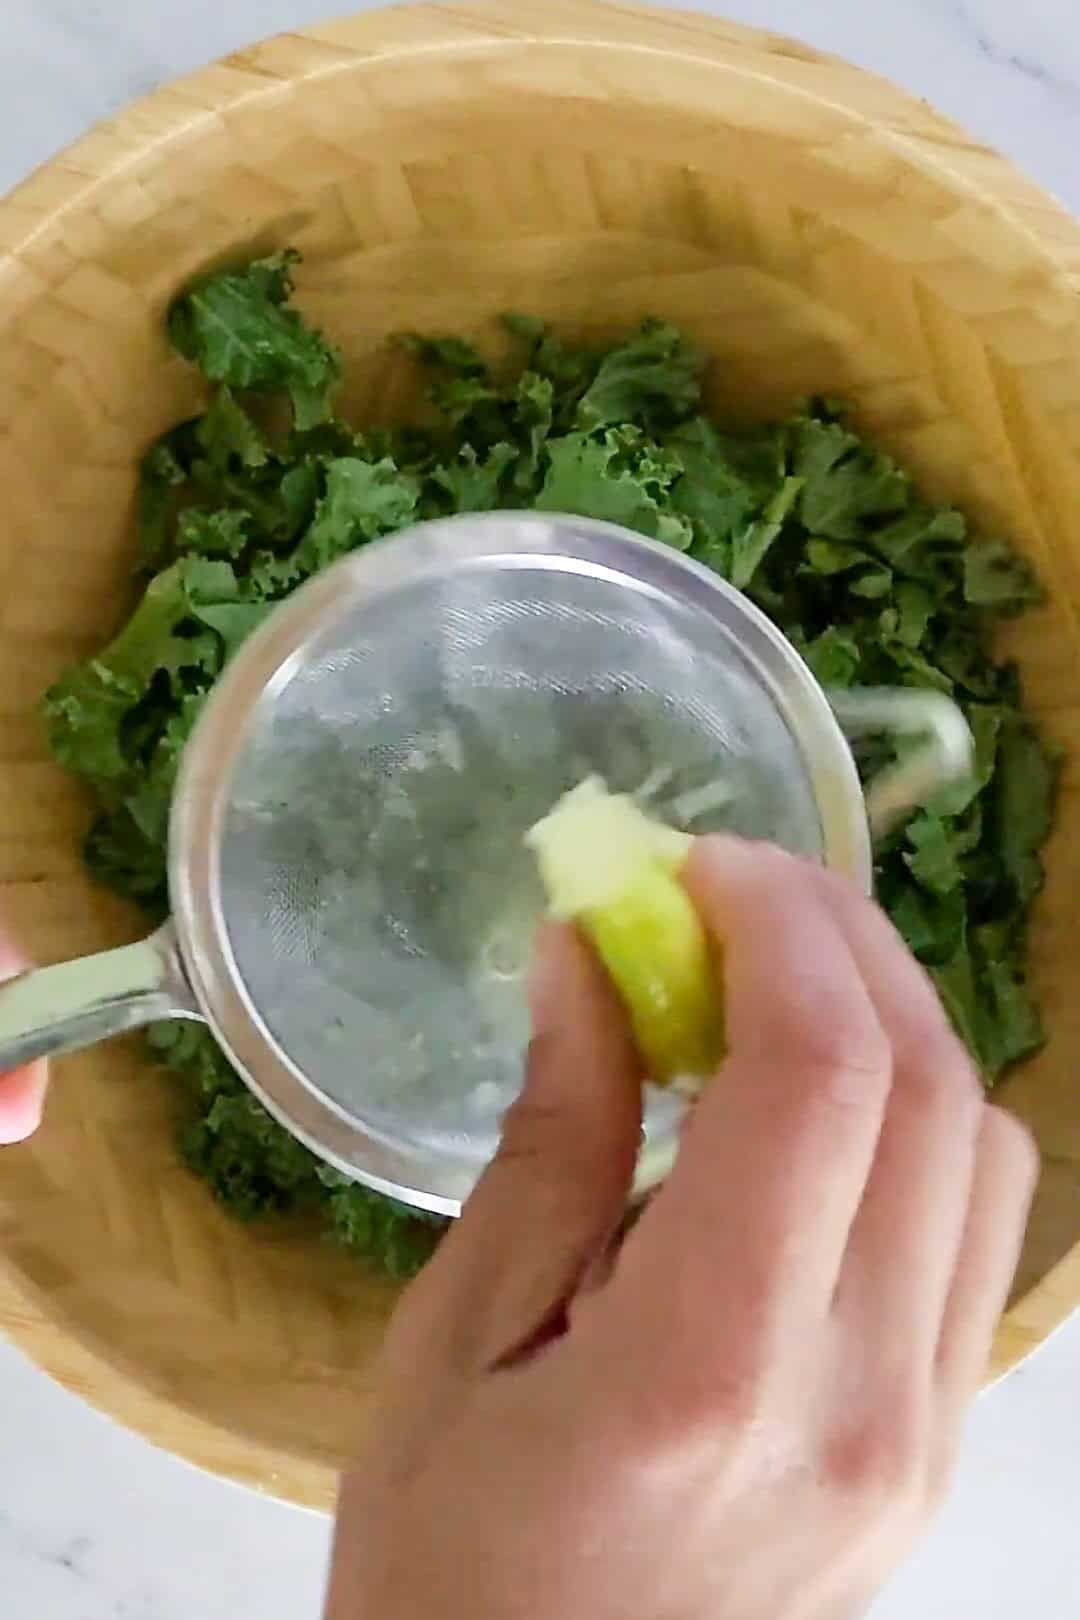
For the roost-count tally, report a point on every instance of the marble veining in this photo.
(96, 1525)
(1009, 42)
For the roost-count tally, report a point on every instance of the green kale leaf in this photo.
(236, 327)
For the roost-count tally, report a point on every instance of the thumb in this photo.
(557, 1189)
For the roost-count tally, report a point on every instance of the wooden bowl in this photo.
(817, 229)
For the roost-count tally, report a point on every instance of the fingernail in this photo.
(11, 962)
(22, 1102)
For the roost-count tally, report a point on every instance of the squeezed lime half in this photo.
(609, 867)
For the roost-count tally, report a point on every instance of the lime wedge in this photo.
(613, 870)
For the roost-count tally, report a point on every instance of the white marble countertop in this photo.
(94, 1525)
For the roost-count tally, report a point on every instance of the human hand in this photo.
(749, 1409)
(22, 1094)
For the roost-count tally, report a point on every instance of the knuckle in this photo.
(857, 1055)
(538, 1135)
(683, 1384)
(940, 1470)
(844, 893)
(841, 1069)
(692, 1405)
(1014, 1143)
(944, 1081)
(546, 1142)
(769, 863)
(731, 1397)
(529, 1127)
(838, 1051)
(729, 1403)
(738, 877)
(881, 1462)
(841, 1051)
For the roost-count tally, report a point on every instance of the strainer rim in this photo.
(262, 667)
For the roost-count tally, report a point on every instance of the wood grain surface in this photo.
(814, 227)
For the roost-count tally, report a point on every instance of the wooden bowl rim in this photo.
(182, 109)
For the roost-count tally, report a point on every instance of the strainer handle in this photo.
(945, 755)
(76, 1004)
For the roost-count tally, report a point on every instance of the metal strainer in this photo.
(353, 902)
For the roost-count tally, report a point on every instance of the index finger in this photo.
(754, 1221)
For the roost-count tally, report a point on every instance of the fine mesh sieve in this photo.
(353, 901)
